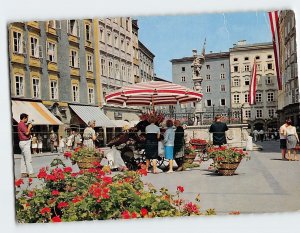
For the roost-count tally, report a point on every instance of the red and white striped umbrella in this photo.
(153, 93)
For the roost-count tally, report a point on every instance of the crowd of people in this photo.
(172, 139)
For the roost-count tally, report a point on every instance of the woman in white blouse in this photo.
(291, 140)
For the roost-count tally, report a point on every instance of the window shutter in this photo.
(40, 51)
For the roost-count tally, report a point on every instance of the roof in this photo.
(207, 57)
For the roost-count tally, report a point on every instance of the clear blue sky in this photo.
(175, 36)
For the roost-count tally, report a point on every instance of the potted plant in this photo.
(189, 154)
(85, 157)
(226, 160)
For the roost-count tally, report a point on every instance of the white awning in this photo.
(36, 111)
(88, 113)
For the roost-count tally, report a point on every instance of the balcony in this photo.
(34, 61)
(89, 75)
(33, 24)
(88, 44)
(73, 38)
(18, 58)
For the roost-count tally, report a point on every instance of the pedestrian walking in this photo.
(53, 141)
(40, 143)
(261, 134)
(291, 140)
(179, 145)
(151, 145)
(62, 144)
(255, 135)
(169, 137)
(89, 135)
(77, 140)
(70, 140)
(24, 129)
(34, 144)
(282, 140)
(218, 130)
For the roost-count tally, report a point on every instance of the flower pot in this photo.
(87, 162)
(227, 169)
(189, 158)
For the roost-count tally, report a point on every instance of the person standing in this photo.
(291, 140)
(179, 145)
(77, 140)
(151, 147)
(261, 134)
(34, 144)
(62, 143)
(282, 139)
(53, 141)
(24, 144)
(218, 130)
(70, 140)
(89, 135)
(255, 135)
(169, 137)
(40, 144)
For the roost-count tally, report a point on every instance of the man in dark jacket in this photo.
(179, 145)
(218, 130)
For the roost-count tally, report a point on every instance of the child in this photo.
(62, 143)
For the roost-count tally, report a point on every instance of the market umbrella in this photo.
(153, 93)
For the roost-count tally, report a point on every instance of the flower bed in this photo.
(94, 194)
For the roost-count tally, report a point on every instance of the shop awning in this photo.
(36, 112)
(121, 123)
(88, 113)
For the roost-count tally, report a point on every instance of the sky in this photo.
(175, 36)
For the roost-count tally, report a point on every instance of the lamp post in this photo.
(213, 111)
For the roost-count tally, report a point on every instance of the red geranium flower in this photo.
(107, 180)
(96, 164)
(42, 174)
(62, 205)
(56, 219)
(30, 180)
(45, 210)
(180, 189)
(68, 169)
(77, 149)
(68, 154)
(55, 193)
(142, 172)
(133, 215)
(19, 182)
(76, 199)
(126, 214)
(31, 193)
(144, 212)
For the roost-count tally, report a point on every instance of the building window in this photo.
(259, 113)
(248, 113)
(270, 96)
(89, 63)
(258, 66)
(258, 97)
(74, 59)
(235, 69)
(122, 45)
(91, 96)
(257, 57)
(53, 90)
(246, 58)
(208, 76)
(35, 88)
(101, 35)
(18, 43)
(269, 56)
(270, 66)
(236, 99)
(52, 23)
(116, 42)
(222, 76)
(183, 79)
(268, 80)
(246, 98)
(208, 103)
(117, 71)
(88, 32)
(34, 49)
(110, 69)
(208, 89)
(108, 38)
(128, 48)
(208, 67)
(247, 68)
(103, 67)
(235, 59)
(51, 52)
(75, 93)
(271, 113)
(19, 85)
(236, 82)
(247, 81)
(182, 69)
(223, 88)
(223, 102)
(222, 66)
(73, 27)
